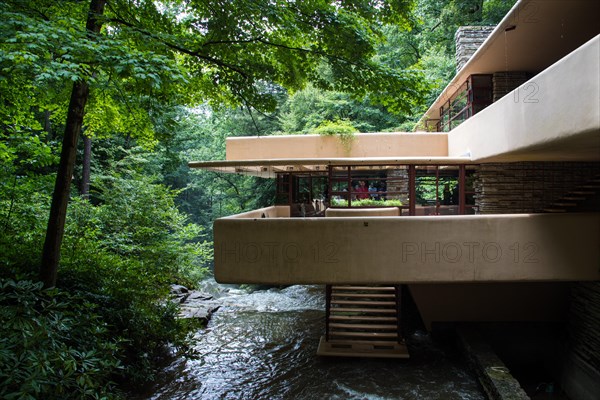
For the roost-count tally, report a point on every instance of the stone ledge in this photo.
(194, 304)
(494, 376)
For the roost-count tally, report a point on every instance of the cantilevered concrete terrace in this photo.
(563, 123)
(553, 117)
(266, 246)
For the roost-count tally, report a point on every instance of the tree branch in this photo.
(183, 50)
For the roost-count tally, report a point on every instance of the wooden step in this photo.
(361, 318)
(573, 198)
(589, 187)
(382, 342)
(363, 295)
(583, 192)
(364, 303)
(385, 327)
(370, 335)
(362, 321)
(560, 204)
(555, 210)
(357, 348)
(363, 310)
(369, 288)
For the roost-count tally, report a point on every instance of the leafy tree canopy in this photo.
(129, 59)
(195, 51)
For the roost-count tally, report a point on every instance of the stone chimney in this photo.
(468, 40)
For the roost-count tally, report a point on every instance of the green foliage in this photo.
(494, 10)
(306, 109)
(429, 47)
(120, 255)
(429, 189)
(239, 53)
(439, 69)
(127, 250)
(55, 345)
(366, 203)
(344, 130)
(24, 198)
(288, 43)
(199, 134)
(137, 219)
(339, 128)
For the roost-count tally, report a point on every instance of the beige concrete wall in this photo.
(553, 117)
(316, 146)
(494, 248)
(266, 212)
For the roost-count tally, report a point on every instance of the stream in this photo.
(262, 345)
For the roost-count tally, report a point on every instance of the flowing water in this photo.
(263, 345)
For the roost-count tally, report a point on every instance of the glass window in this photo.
(473, 96)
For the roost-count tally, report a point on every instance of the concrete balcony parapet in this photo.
(555, 116)
(384, 250)
(266, 212)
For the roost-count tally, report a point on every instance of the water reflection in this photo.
(263, 346)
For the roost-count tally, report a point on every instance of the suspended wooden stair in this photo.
(363, 321)
(581, 199)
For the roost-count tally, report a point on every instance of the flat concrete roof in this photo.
(268, 168)
(265, 156)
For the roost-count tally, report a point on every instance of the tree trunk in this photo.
(87, 161)
(62, 186)
(47, 123)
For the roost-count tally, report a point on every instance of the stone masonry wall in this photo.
(468, 40)
(527, 187)
(530, 187)
(398, 184)
(585, 322)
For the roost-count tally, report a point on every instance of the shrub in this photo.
(54, 345)
(127, 251)
(366, 203)
(343, 129)
(111, 320)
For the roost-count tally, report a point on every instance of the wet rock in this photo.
(209, 285)
(199, 305)
(494, 376)
(179, 289)
(179, 293)
(195, 296)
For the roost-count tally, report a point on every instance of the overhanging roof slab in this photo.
(363, 145)
(268, 168)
